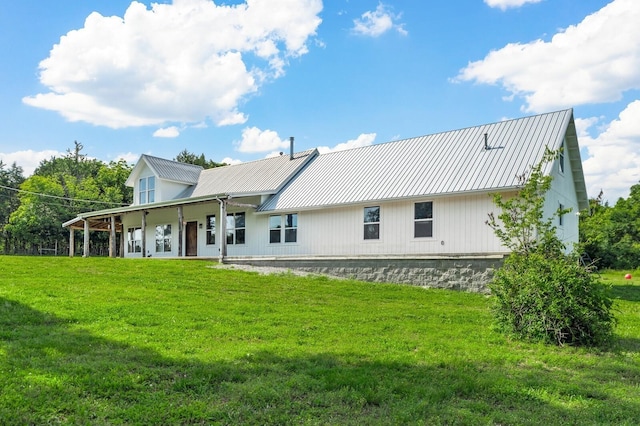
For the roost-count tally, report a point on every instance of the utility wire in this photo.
(62, 198)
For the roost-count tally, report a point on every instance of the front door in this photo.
(192, 239)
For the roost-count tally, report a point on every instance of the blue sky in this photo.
(235, 79)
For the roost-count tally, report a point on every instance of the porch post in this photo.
(85, 249)
(180, 226)
(122, 237)
(72, 242)
(144, 233)
(223, 230)
(112, 238)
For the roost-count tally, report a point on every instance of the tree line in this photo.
(33, 209)
(610, 235)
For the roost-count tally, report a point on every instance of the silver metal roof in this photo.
(265, 176)
(437, 164)
(173, 170)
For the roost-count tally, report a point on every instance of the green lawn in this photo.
(149, 341)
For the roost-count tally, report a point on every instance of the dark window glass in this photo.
(211, 229)
(372, 223)
(423, 220)
(291, 235)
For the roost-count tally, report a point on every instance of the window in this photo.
(560, 216)
(235, 228)
(290, 228)
(163, 238)
(147, 190)
(423, 220)
(561, 158)
(211, 229)
(134, 240)
(275, 226)
(372, 223)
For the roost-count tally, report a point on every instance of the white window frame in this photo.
(134, 244)
(211, 230)
(419, 221)
(368, 223)
(163, 238)
(232, 229)
(283, 228)
(147, 190)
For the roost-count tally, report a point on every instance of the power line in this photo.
(62, 198)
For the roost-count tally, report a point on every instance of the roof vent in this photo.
(486, 141)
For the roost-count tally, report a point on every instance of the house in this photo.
(412, 210)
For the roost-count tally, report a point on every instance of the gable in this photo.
(168, 170)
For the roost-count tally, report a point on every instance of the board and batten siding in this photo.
(459, 228)
(563, 192)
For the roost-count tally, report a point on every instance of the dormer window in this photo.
(147, 190)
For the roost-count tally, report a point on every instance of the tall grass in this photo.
(148, 341)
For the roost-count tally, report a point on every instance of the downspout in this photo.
(223, 230)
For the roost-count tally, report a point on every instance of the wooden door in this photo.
(192, 239)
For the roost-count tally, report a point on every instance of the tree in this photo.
(36, 222)
(199, 160)
(59, 190)
(611, 235)
(10, 181)
(540, 293)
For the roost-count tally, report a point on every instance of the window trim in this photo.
(166, 238)
(131, 242)
(148, 190)
(561, 158)
(282, 230)
(417, 221)
(211, 230)
(232, 231)
(375, 224)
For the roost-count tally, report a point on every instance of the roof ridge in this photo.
(449, 131)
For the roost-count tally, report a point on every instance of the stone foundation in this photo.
(465, 274)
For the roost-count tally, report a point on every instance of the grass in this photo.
(147, 341)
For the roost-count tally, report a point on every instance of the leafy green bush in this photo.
(553, 300)
(541, 293)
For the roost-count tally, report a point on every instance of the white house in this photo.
(412, 210)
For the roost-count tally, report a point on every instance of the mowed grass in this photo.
(149, 341)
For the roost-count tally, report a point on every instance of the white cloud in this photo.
(613, 160)
(230, 161)
(167, 132)
(377, 22)
(594, 61)
(365, 139)
(185, 62)
(505, 4)
(129, 157)
(256, 140)
(29, 160)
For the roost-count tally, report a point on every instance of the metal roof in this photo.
(437, 164)
(167, 170)
(265, 176)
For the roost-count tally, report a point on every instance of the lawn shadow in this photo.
(627, 292)
(54, 372)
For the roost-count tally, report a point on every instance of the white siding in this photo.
(563, 192)
(459, 229)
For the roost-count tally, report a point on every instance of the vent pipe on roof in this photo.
(486, 141)
(291, 148)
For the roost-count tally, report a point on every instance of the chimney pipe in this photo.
(486, 141)
(291, 148)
